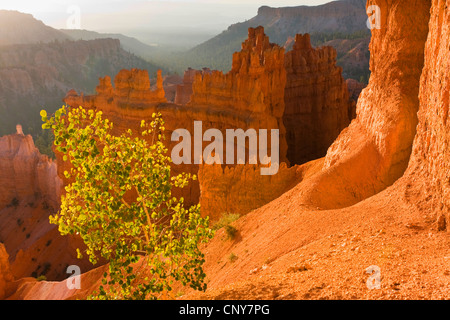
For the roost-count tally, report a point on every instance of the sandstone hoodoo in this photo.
(184, 90)
(250, 96)
(24, 171)
(317, 106)
(253, 89)
(317, 101)
(373, 152)
(29, 193)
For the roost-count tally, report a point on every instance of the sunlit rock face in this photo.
(374, 151)
(430, 160)
(24, 171)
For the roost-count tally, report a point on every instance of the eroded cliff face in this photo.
(316, 98)
(430, 160)
(25, 172)
(373, 152)
(254, 88)
(30, 191)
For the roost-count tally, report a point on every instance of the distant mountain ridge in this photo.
(22, 28)
(334, 17)
(129, 44)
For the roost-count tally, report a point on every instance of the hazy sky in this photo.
(123, 16)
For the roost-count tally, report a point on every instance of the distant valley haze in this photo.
(180, 24)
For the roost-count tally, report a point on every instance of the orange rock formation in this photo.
(373, 152)
(316, 98)
(24, 171)
(317, 104)
(251, 95)
(430, 158)
(6, 276)
(184, 90)
(30, 189)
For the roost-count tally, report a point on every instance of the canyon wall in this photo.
(430, 160)
(25, 172)
(30, 192)
(374, 151)
(316, 98)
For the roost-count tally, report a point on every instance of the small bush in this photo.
(225, 220)
(232, 257)
(41, 278)
(230, 231)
